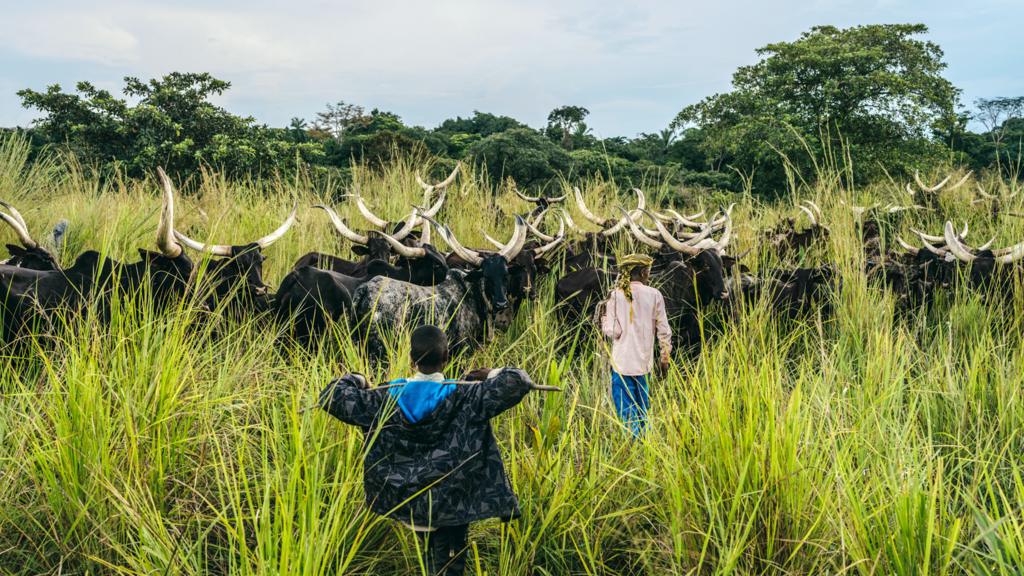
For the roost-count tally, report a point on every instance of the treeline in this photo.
(866, 102)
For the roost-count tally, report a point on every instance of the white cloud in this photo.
(633, 64)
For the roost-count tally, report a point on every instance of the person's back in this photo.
(432, 462)
(633, 326)
(634, 319)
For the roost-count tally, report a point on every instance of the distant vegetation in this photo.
(869, 96)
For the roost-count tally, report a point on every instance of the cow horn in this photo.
(676, 244)
(410, 224)
(429, 188)
(934, 238)
(961, 181)
(909, 189)
(15, 221)
(433, 210)
(955, 247)
(541, 250)
(532, 227)
(466, 254)
(370, 216)
(531, 199)
(340, 226)
(817, 212)
(215, 249)
(941, 252)
(165, 229)
(1011, 254)
(568, 220)
(586, 211)
(687, 220)
(906, 246)
(402, 249)
(276, 235)
(14, 212)
(515, 245)
(641, 200)
(497, 245)
(608, 232)
(810, 215)
(723, 240)
(556, 199)
(984, 194)
(639, 234)
(933, 189)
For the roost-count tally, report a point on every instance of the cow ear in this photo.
(360, 250)
(542, 266)
(146, 254)
(474, 275)
(16, 250)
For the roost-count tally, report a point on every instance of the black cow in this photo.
(30, 254)
(310, 299)
(236, 278)
(371, 245)
(27, 294)
(464, 305)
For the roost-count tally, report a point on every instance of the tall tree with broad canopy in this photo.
(172, 124)
(875, 92)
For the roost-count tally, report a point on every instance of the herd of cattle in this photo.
(401, 277)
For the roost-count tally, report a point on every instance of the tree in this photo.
(338, 118)
(521, 154)
(567, 122)
(875, 91)
(173, 125)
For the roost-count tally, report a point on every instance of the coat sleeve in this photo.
(664, 330)
(344, 399)
(609, 321)
(498, 393)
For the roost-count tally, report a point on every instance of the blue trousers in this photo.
(631, 398)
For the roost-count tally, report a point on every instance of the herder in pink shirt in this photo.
(634, 315)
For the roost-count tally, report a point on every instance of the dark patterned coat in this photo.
(445, 470)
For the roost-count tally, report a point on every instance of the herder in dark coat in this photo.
(432, 462)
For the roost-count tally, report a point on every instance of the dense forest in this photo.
(871, 96)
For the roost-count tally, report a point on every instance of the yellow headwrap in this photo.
(626, 266)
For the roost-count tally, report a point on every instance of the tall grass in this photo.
(867, 442)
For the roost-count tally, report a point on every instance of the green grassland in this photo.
(865, 442)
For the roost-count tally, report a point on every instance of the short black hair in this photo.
(429, 347)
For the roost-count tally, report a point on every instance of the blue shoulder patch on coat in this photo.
(417, 399)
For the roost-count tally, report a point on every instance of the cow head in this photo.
(491, 269)
(422, 265)
(240, 266)
(373, 245)
(30, 254)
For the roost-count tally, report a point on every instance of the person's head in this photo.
(640, 274)
(428, 349)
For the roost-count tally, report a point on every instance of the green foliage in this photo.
(521, 154)
(176, 442)
(172, 124)
(873, 91)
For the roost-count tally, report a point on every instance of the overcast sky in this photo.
(633, 64)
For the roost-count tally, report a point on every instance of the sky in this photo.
(634, 64)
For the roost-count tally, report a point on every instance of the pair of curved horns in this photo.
(429, 188)
(937, 187)
(692, 246)
(965, 253)
(17, 222)
(539, 199)
(509, 250)
(813, 212)
(225, 250)
(641, 203)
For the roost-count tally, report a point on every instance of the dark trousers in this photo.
(444, 550)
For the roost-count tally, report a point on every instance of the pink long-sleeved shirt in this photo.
(633, 341)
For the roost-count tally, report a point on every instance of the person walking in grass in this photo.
(432, 461)
(634, 317)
